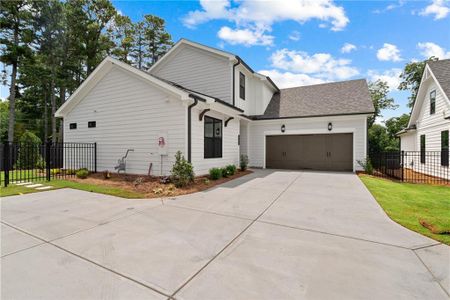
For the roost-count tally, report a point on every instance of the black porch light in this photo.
(330, 126)
(283, 128)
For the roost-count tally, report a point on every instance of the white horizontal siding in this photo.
(258, 130)
(230, 147)
(198, 70)
(130, 114)
(244, 132)
(430, 125)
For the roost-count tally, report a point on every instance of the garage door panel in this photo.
(316, 152)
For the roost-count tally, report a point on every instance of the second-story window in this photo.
(432, 102)
(242, 86)
(92, 124)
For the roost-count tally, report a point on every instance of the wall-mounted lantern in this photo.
(283, 128)
(330, 126)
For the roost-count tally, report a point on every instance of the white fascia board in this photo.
(105, 66)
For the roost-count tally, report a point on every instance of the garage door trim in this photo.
(308, 132)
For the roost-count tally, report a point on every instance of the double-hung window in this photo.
(212, 138)
(422, 148)
(444, 148)
(432, 102)
(242, 86)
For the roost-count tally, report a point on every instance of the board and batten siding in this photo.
(198, 70)
(230, 147)
(318, 125)
(130, 113)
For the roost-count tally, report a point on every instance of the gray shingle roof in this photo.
(441, 70)
(336, 98)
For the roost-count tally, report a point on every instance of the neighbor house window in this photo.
(422, 148)
(92, 124)
(213, 137)
(444, 148)
(242, 86)
(432, 102)
(73, 125)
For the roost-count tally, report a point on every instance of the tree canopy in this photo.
(50, 47)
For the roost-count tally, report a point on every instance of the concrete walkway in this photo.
(269, 235)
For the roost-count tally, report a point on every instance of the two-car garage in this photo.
(325, 152)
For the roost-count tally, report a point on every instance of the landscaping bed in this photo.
(423, 208)
(150, 186)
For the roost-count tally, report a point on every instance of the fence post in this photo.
(402, 165)
(95, 157)
(6, 160)
(47, 160)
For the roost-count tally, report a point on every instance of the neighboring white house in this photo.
(213, 107)
(428, 128)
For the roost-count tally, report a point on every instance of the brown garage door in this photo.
(330, 152)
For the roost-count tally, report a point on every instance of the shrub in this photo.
(215, 173)
(366, 164)
(82, 173)
(224, 172)
(40, 164)
(182, 171)
(243, 162)
(55, 172)
(71, 172)
(231, 169)
(29, 156)
(138, 181)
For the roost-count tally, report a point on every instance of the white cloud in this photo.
(295, 35)
(320, 65)
(439, 8)
(289, 79)
(347, 48)
(391, 76)
(247, 14)
(245, 37)
(390, 7)
(389, 52)
(430, 49)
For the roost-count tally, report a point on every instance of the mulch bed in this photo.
(151, 187)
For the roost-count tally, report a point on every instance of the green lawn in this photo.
(34, 174)
(408, 204)
(57, 184)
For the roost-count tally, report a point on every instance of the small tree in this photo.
(182, 171)
(29, 155)
(243, 162)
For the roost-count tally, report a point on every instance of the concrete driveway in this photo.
(269, 235)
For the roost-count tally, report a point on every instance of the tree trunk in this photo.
(53, 104)
(12, 91)
(45, 119)
(12, 103)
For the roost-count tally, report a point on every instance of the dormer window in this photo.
(432, 102)
(241, 86)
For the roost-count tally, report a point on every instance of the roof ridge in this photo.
(324, 83)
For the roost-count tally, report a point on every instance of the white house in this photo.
(212, 106)
(428, 130)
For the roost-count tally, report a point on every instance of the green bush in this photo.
(55, 172)
(243, 162)
(366, 164)
(29, 156)
(224, 172)
(231, 169)
(71, 172)
(215, 173)
(182, 171)
(82, 173)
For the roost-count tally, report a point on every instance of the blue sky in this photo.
(298, 44)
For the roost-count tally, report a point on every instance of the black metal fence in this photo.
(27, 162)
(412, 166)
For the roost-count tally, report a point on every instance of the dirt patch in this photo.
(151, 187)
(432, 227)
